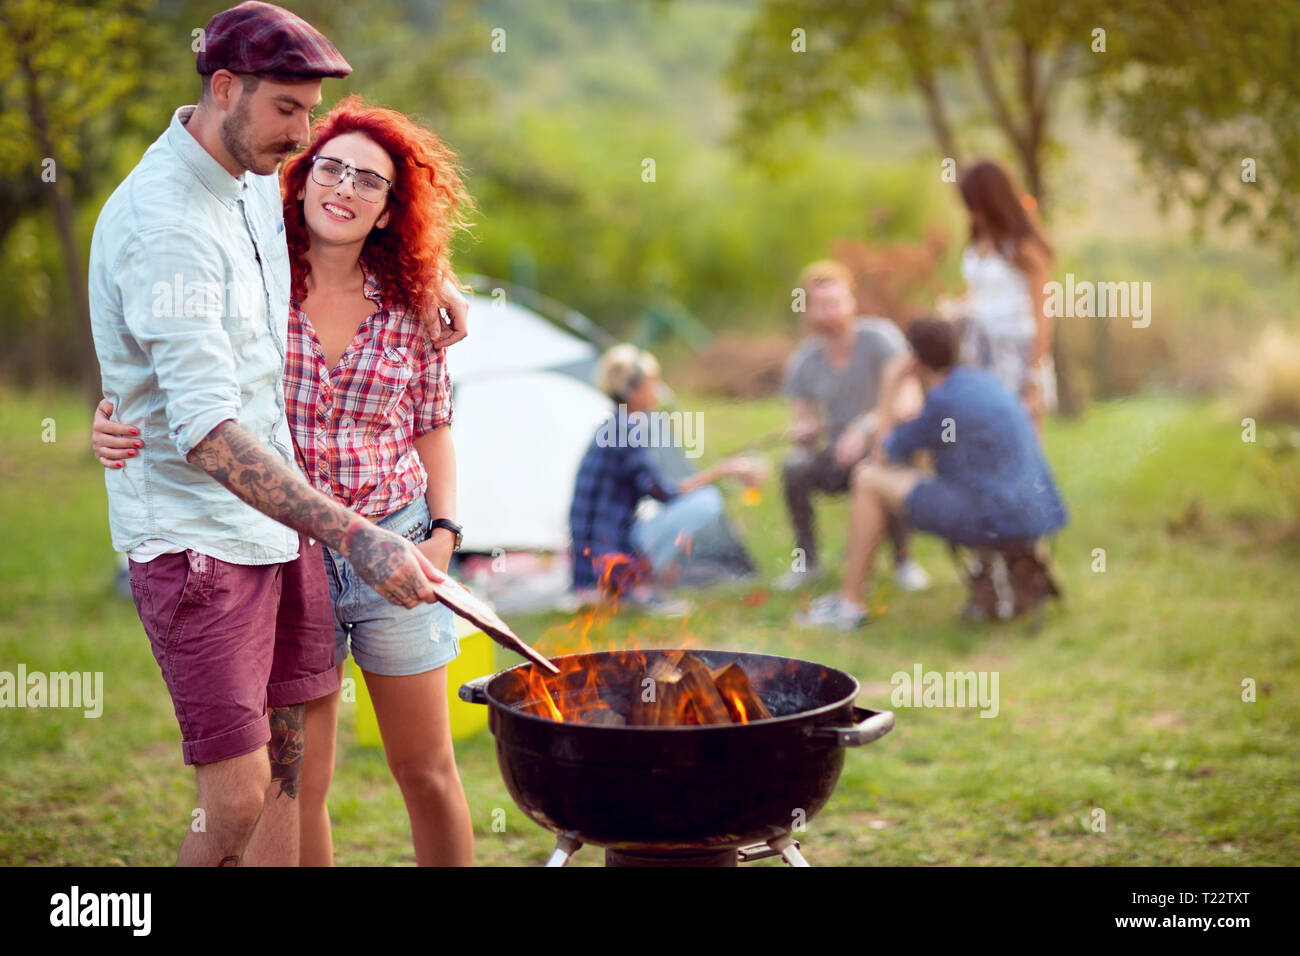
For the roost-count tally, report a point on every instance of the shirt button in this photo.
(345, 423)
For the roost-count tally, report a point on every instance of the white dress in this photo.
(1001, 329)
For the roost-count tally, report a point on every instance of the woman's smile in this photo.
(338, 212)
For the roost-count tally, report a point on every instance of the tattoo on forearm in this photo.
(288, 737)
(379, 556)
(260, 477)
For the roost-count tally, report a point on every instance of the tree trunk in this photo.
(61, 209)
(1029, 146)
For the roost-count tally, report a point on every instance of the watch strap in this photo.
(451, 526)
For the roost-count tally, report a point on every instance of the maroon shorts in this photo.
(233, 639)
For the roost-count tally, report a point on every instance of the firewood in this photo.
(733, 684)
(669, 704)
(698, 683)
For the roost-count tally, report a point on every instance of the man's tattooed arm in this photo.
(386, 561)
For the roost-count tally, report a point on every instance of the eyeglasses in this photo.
(369, 185)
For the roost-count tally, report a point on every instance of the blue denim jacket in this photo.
(189, 307)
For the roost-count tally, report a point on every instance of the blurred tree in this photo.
(64, 71)
(1210, 95)
(805, 59)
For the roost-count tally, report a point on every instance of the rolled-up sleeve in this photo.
(173, 298)
(430, 388)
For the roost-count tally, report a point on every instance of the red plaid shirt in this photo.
(354, 427)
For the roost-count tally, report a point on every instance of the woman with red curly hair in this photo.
(370, 208)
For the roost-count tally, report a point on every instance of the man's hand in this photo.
(804, 431)
(805, 423)
(399, 571)
(851, 447)
(112, 441)
(455, 306)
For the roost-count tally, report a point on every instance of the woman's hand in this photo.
(1032, 396)
(112, 441)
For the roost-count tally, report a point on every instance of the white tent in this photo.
(521, 424)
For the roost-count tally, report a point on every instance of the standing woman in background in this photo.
(1005, 267)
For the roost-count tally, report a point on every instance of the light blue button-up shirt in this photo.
(189, 306)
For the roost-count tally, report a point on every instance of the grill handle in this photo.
(475, 691)
(872, 725)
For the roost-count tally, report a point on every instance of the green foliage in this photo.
(1199, 89)
(83, 67)
(1209, 94)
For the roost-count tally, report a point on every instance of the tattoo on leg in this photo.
(288, 737)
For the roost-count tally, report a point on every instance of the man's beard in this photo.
(235, 138)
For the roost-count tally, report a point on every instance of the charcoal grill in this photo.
(713, 794)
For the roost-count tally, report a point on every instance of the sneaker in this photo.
(794, 580)
(831, 612)
(911, 577)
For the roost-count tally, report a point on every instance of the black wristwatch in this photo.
(451, 526)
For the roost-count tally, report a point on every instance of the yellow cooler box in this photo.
(476, 659)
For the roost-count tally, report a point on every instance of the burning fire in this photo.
(631, 687)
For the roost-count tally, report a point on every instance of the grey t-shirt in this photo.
(843, 395)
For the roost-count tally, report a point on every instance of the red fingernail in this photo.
(131, 453)
(135, 431)
(139, 444)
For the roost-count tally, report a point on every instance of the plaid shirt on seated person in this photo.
(612, 479)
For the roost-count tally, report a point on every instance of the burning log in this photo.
(742, 701)
(685, 692)
(698, 684)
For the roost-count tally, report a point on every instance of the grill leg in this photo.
(789, 850)
(566, 844)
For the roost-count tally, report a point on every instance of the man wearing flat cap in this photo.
(189, 296)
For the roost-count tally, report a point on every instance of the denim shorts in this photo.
(389, 639)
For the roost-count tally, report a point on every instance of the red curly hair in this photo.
(411, 256)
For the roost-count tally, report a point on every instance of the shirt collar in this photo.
(211, 173)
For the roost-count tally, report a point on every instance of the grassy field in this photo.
(1129, 700)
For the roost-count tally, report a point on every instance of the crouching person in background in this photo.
(991, 485)
(615, 556)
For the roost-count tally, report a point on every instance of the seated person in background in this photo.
(833, 382)
(991, 483)
(614, 555)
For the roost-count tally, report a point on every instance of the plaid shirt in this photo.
(611, 480)
(354, 427)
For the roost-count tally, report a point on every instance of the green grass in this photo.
(1128, 700)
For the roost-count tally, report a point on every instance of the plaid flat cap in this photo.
(263, 38)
